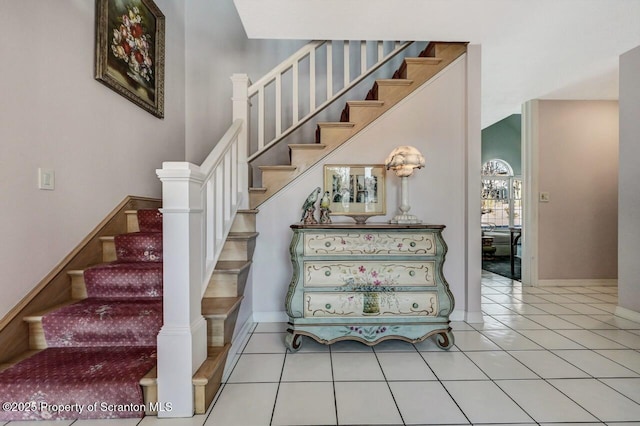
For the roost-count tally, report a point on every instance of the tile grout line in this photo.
(444, 387)
(275, 400)
(375, 354)
(333, 384)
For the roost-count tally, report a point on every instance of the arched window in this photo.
(501, 195)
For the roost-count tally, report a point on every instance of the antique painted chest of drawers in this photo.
(368, 283)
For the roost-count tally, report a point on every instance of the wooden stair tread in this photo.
(394, 82)
(231, 266)
(216, 357)
(151, 378)
(248, 211)
(365, 103)
(427, 60)
(242, 235)
(278, 167)
(344, 124)
(37, 317)
(252, 189)
(219, 307)
(307, 146)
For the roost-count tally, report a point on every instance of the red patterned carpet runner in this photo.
(98, 348)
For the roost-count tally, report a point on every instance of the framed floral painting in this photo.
(356, 190)
(130, 51)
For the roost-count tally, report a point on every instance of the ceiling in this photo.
(531, 49)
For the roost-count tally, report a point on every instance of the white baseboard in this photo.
(627, 314)
(578, 283)
(474, 317)
(277, 316)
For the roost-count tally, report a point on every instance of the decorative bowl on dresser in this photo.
(368, 282)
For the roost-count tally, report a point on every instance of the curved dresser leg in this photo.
(445, 339)
(293, 342)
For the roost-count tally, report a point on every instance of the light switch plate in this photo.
(46, 179)
(544, 197)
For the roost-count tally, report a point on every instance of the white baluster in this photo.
(363, 57)
(329, 69)
(295, 92)
(278, 104)
(346, 61)
(261, 118)
(312, 81)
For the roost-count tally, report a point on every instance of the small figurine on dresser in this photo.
(325, 202)
(309, 208)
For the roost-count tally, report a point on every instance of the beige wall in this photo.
(53, 114)
(578, 167)
(629, 216)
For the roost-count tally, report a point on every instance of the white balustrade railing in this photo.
(256, 92)
(199, 204)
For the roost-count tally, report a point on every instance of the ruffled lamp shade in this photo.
(403, 160)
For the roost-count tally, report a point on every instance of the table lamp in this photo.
(403, 160)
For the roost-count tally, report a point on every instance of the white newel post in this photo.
(182, 341)
(240, 101)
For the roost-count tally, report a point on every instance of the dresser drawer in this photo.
(362, 304)
(369, 274)
(370, 243)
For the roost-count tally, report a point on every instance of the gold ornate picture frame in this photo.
(130, 51)
(356, 190)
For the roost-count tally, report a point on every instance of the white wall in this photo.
(578, 167)
(434, 119)
(53, 114)
(629, 195)
(216, 48)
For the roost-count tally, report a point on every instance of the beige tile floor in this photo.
(543, 356)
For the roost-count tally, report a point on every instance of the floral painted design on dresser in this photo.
(368, 243)
(368, 275)
(382, 303)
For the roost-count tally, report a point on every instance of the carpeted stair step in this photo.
(139, 247)
(122, 280)
(221, 314)
(99, 322)
(207, 379)
(149, 220)
(82, 376)
(132, 247)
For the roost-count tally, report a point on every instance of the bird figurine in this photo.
(309, 208)
(325, 202)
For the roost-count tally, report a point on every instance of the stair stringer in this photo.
(413, 74)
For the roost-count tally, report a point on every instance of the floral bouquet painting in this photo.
(130, 51)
